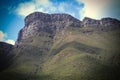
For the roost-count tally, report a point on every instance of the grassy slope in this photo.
(75, 55)
(84, 57)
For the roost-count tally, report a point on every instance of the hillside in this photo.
(6, 57)
(61, 47)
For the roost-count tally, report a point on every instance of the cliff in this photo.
(53, 23)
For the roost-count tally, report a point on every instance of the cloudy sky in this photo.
(13, 12)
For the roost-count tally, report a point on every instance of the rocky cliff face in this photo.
(104, 22)
(50, 23)
(53, 23)
(87, 22)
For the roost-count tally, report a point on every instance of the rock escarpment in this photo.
(50, 23)
(104, 22)
(53, 23)
(87, 22)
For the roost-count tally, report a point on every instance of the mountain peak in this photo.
(90, 22)
(87, 18)
(44, 17)
(87, 22)
(50, 23)
(35, 16)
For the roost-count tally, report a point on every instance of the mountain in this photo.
(50, 23)
(5, 55)
(61, 47)
(53, 23)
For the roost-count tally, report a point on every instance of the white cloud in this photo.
(10, 41)
(25, 8)
(47, 6)
(101, 8)
(82, 13)
(95, 8)
(42, 2)
(61, 7)
(40, 9)
(92, 8)
(3, 37)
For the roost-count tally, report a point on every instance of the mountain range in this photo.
(61, 47)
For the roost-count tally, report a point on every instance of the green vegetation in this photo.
(78, 54)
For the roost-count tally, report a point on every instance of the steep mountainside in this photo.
(5, 55)
(50, 23)
(61, 47)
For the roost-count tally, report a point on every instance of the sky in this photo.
(13, 12)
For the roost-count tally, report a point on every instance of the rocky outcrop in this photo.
(104, 22)
(56, 19)
(50, 23)
(109, 22)
(53, 23)
(88, 22)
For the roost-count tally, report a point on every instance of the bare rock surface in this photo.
(53, 23)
